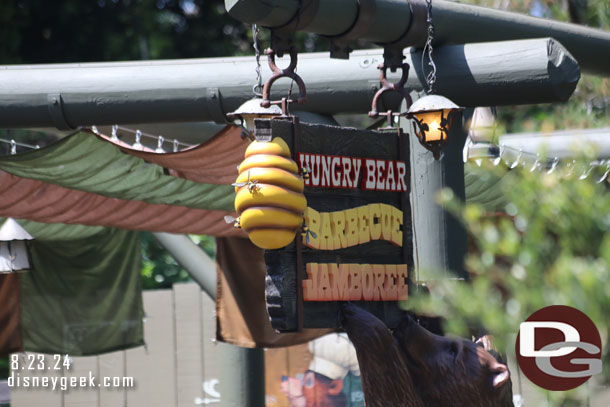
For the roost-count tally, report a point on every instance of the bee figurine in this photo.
(252, 187)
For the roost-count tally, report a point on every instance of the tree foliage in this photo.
(552, 247)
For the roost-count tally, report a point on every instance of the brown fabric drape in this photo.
(213, 162)
(240, 302)
(10, 333)
(24, 198)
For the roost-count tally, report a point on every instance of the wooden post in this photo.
(439, 239)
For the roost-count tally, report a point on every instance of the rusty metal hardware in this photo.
(280, 73)
(387, 86)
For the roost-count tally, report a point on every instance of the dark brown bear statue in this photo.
(412, 367)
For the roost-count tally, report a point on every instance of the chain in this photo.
(431, 77)
(257, 89)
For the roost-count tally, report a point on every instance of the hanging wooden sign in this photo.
(357, 241)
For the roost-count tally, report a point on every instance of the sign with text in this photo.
(357, 241)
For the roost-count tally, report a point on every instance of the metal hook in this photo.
(13, 147)
(536, 163)
(115, 129)
(516, 162)
(280, 73)
(570, 166)
(586, 172)
(553, 165)
(176, 142)
(386, 86)
(603, 178)
(137, 145)
(159, 148)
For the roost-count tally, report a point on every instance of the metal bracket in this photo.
(55, 104)
(281, 37)
(280, 73)
(214, 105)
(414, 36)
(339, 47)
(387, 86)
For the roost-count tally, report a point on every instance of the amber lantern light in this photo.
(432, 114)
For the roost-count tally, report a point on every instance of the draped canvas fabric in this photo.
(240, 299)
(24, 198)
(87, 163)
(213, 162)
(82, 297)
(90, 180)
(10, 333)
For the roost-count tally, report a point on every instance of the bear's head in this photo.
(452, 371)
(412, 367)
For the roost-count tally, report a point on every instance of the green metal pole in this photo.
(454, 23)
(242, 373)
(487, 74)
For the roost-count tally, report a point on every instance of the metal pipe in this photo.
(454, 23)
(192, 258)
(242, 370)
(72, 95)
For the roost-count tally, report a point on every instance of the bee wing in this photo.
(229, 219)
(313, 234)
(239, 184)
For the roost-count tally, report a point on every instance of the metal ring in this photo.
(281, 73)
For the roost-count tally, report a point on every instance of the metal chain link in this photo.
(431, 77)
(257, 89)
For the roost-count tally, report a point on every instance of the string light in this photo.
(176, 144)
(514, 157)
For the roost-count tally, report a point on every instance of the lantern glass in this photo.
(13, 247)
(434, 121)
(13, 256)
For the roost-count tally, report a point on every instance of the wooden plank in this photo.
(153, 367)
(112, 365)
(282, 287)
(211, 372)
(35, 396)
(187, 316)
(82, 396)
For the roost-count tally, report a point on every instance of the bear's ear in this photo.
(500, 374)
(335, 387)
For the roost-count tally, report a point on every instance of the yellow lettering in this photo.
(364, 234)
(312, 221)
(396, 225)
(375, 221)
(325, 236)
(351, 226)
(337, 224)
(386, 222)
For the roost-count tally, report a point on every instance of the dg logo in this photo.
(559, 348)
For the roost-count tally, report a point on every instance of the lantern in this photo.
(433, 119)
(13, 248)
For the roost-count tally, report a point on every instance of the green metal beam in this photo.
(454, 23)
(72, 95)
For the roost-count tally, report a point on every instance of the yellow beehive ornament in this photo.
(269, 194)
